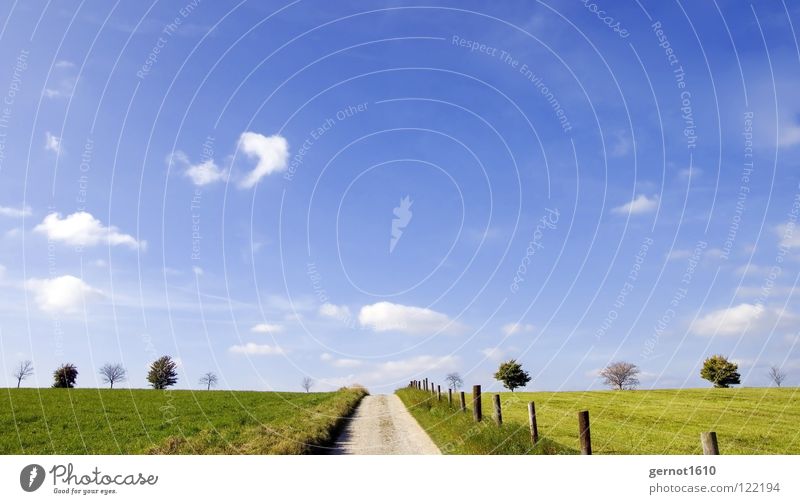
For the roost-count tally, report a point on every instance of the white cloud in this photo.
(197, 270)
(205, 173)
(493, 354)
(788, 234)
(789, 135)
(82, 229)
(15, 212)
(62, 81)
(338, 312)
(752, 270)
(266, 328)
(64, 294)
(385, 316)
(516, 328)
(256, 349)
(202, 174)
(347, 363)
(52, 143)
(641, 204)
(728, 321)
(325, 357)
(2, 271)
(689, 173)
(678, 254)
(272, 153)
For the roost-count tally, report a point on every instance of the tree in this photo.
(455, 381)
(512, 375)
(776, 375)
(113, 373)
(163, 373)
(307, 383)
(209, 380)
(24, 370)
(720, 371)
(65, 376)
(621, 375)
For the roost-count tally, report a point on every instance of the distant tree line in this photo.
(163, 373)
(620, 375)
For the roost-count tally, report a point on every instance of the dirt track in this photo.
(382, 426)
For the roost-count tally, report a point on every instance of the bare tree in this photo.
(23, 370)
(307, 383)
(113, 373)
(209, 380)
(455, 380)
(776, 375)
(621, 375)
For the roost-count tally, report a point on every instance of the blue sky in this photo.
(378, 192)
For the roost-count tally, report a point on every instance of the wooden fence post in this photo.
(583, 432)
(450, 397)
(426, 384)
(532, 420)
(498, 414)
(438, 392)
(709, 441)
(477, 412)
(463, 402)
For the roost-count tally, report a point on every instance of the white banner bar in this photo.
(379, 479)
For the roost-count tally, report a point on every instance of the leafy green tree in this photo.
(512, 375)
(65, 376)
(720, 371)
(163, 373)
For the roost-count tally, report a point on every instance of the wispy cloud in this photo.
(256, 349)
(385, 316)
(82, 229)
(641, 204)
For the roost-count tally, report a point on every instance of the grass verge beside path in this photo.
(455, 433)
(95, 421)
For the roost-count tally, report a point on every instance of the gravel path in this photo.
(382, 426)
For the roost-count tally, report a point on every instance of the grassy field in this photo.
(94, 421)
(746, 420)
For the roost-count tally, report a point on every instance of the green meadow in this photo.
(746, 420)
(124, 421)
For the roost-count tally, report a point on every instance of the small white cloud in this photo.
(347, 363)
(325, 357)
(266, 328)
(516, 328)
(82, 229)
(52, 143)
(201, 174)
(641, 204)
(197, 270)
(338, 312)
(272, 153)
(689, 173)
(622, 144)
(15, 212)
(2, 271)
(62, 80)
(493, 354)
(789, 135)
(385, 316)
(256, 349)
(678, 254)
(728, 321)
(788, 235)
(64, 294)
(752, 270)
